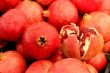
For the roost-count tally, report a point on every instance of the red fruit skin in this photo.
(105, 7)
(62, 12)
(106, 48)
(32, 40)
(45, 2)
(86, 6)
(91, 68)
(12, 25)
(32, 10)
(98, 20)
(57, 56)
(20, 49)
(99, 61)
(12, 62)
(68, 65)
(41, 66)
(70, 47)
(8, 4)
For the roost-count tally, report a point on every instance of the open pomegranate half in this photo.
(84, 45)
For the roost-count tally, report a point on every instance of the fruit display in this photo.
(55, 36)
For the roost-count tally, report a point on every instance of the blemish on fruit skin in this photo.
(41, 41)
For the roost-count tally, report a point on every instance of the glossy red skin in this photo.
(12, 25)
(33, 33)
(99, 61)
(8, 4)
(32, 10)
(91, 68)
(68, 65)
(57, 56)
(62, 12)
(12, 62)
(106, 48)
(45, 2)
(86, 6)
(100, 21)
(105, 7)
(41, 66)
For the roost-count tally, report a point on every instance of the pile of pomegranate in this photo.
(54, 36)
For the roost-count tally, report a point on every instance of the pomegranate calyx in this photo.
(46, 13)
(41, 41)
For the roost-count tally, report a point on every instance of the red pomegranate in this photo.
(86, 6)
(40, 40)
(8, 4)
(98, 20)
(61, 12)
(105, 7)
(68, 65)
(32, 9)
(12, 25)
(41, 66)
(12, 62)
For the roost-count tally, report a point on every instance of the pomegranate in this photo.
(98, 20)
(12, 62)
(61, 12)
(80, 45)
(86, 6)
(99, 61)
(106, 48)
(32, 9)
(105, 7)
(40, 40)
(8, 4)
(68, 65)
(12, 25)
(41, 66)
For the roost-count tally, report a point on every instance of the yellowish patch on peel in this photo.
(86, 18)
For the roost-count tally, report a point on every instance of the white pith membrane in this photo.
(69, 29)
(84, 45)
(85, 39)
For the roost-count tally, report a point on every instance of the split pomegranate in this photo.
(40, 40)
(61, 12)
(81, 46)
